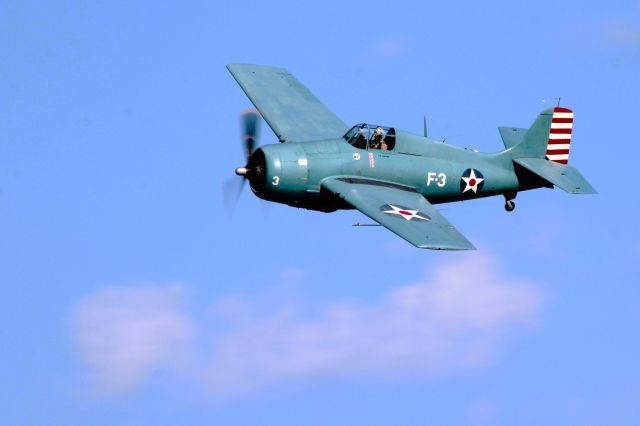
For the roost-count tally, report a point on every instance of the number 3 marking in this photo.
(442, 180)
(275, 181)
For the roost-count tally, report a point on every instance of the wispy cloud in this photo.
(451, 319)
(390, 47)
(125, 334)
(385, 49)
(623, 33)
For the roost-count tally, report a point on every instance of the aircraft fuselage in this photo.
(292, 173)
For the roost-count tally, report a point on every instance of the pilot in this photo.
(376, 140)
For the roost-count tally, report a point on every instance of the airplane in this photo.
(392, 176)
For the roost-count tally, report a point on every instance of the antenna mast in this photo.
(426, 133)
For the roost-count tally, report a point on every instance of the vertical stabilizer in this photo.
(548, 137)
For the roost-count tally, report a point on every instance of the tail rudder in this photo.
(560, 135)
(549, 137)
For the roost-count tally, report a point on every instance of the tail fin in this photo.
(544, 150)
(548, 137)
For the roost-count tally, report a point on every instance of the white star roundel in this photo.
(472, 180)
(404, 212)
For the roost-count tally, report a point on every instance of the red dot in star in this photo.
(404, 212)
(472, 182)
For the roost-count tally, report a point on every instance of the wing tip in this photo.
(445, 247)
(239, 67)
(580, 191)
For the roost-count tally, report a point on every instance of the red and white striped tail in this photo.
(560, 135)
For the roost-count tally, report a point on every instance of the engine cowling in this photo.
(278, 172)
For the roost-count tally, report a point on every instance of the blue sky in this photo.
(129, 297)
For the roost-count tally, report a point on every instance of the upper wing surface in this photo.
(406, 213)
(291, 110)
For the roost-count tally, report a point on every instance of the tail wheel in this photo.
(509, 205)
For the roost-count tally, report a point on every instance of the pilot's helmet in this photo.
(379, 131)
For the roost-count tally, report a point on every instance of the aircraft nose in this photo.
(255, 170)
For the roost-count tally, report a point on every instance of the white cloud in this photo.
(452, 319)
(126, 333)
(449, 320)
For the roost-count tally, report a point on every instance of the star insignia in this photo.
(472, 180)
(404, 212)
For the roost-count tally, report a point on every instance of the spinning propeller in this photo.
(249, 132)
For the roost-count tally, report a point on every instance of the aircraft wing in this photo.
(400, 209)
(291, 110)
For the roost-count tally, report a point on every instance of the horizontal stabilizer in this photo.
(564, 177)
(511, 136)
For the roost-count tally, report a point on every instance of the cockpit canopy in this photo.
(370, 136)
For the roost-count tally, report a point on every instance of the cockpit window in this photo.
(373, 137)
(358, 136)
